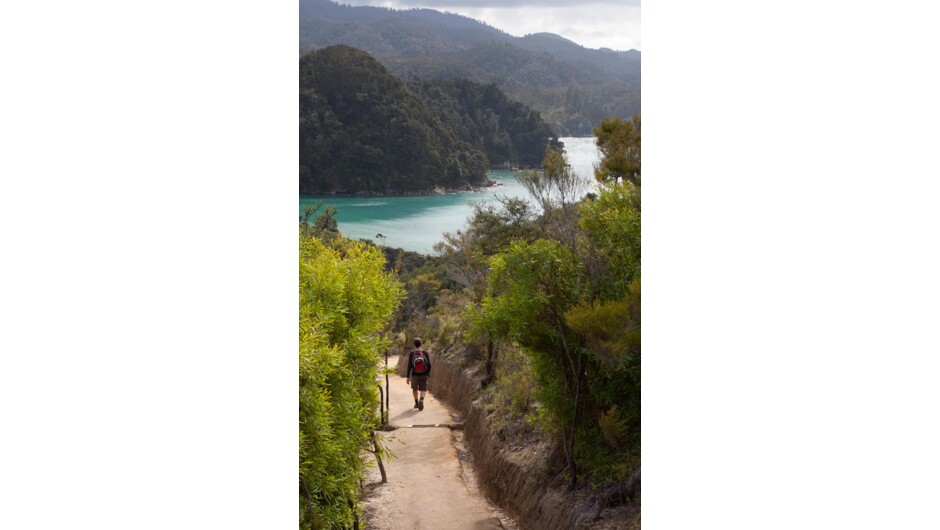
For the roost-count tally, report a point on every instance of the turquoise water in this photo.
(417, 222)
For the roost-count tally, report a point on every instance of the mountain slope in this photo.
(624, 66)
(363, 131)
(571, 86)
(510, 133)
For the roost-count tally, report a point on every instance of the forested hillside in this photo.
(363, 131)
(510, 133)
(573, 87)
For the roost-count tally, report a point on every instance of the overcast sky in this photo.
(593, 23)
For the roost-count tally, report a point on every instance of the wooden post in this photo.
(381, 405)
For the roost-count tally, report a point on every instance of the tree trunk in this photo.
(378, 459)
(381, 405)
(490, 364)
(577, 376)
(574, 424)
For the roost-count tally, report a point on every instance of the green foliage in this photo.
(326, 222)
(422, 294)
(552, 301)
(345, 300)
(409, 265)
(531, 286)
(611, 329)
(494, 226)
(442, 326)
(573, 109)
(425, 279)
(611, 224)
(573, 304)
(512, 396)
(570, 304)
(605, 464)
(612, 426)
(362, 130)
(515, 391)
(619, 143)
(324, 225)
(510, 133)
(490, 230)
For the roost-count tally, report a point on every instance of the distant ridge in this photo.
(549, 36)
(573, 87)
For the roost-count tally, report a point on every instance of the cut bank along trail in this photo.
(425, 489)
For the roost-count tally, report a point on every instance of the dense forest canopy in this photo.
(364, 131)
(510, 133)
(573, 87)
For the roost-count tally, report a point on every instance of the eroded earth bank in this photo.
(451, 472)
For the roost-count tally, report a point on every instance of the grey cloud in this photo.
(443, 4)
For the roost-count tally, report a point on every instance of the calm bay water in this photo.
(417, 222)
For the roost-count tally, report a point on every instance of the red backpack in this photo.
(420, 361)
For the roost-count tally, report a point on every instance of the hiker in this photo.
(419, 368)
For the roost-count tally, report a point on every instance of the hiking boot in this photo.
(421, 405)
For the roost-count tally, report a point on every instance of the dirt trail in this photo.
(425, 487)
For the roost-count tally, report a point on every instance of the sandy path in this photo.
(425, 488)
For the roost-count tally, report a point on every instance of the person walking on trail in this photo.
(419, 368)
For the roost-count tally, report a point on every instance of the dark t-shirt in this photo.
(411, 362)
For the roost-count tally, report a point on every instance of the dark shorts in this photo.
(419, 382)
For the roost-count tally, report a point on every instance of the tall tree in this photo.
(619, 144)
(573, 303)
(531, 287)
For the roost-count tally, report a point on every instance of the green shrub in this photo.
(345, 300)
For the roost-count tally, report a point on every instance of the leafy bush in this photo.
(573, 303)
(345, 300)
(515, 390)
